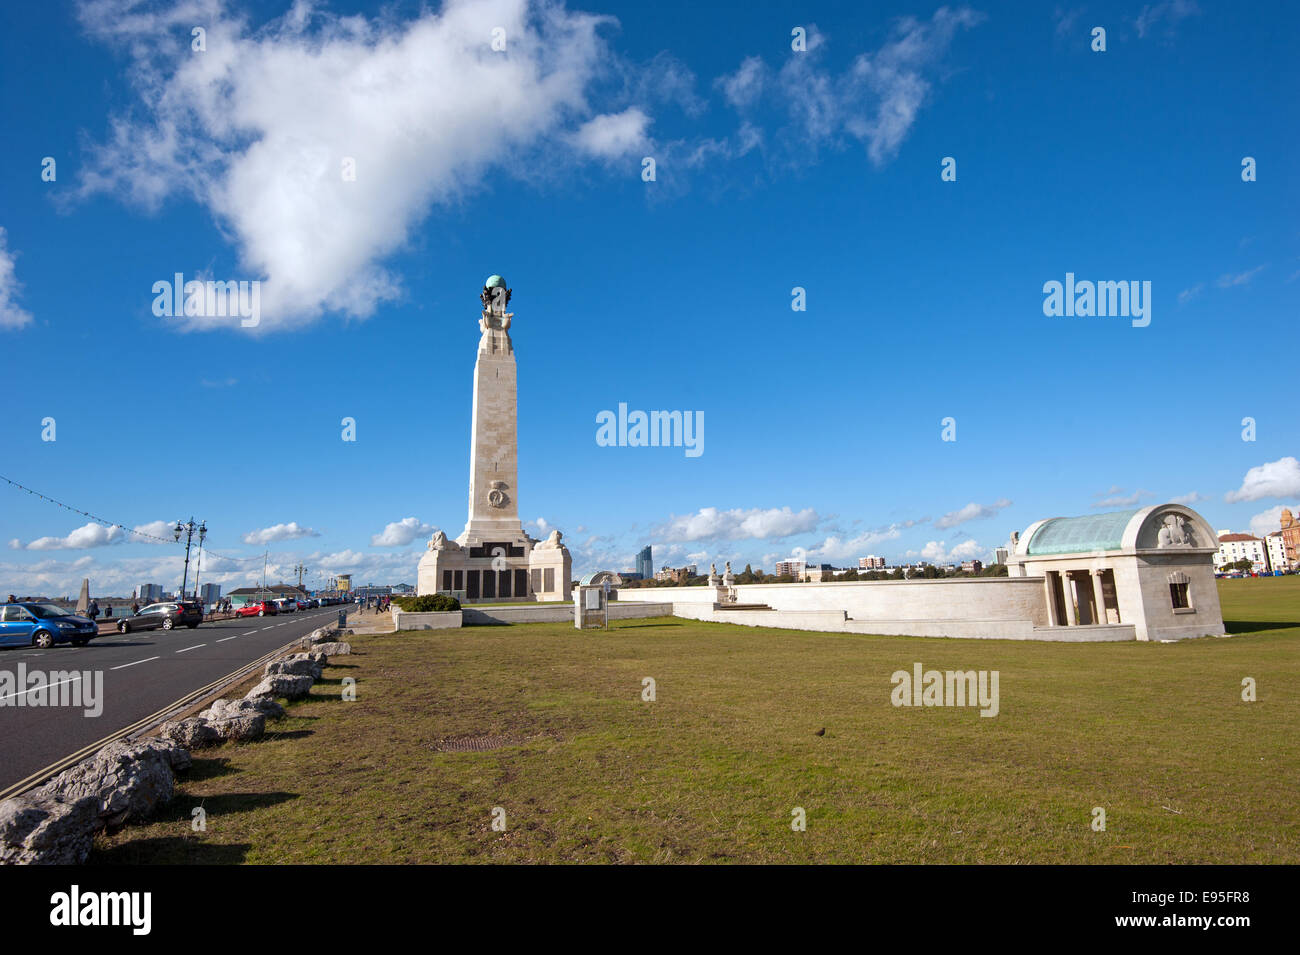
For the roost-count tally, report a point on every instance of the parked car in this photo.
(43, 625)
(265, 608)
(167, 616)
(286, 605)
(301, 605)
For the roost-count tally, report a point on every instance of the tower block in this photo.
(494, 558)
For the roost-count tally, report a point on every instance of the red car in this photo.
(264, 609)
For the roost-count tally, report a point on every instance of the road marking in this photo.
(224, 639)
(46, 686)
(245, 633)
(195, 647)
(125, 665)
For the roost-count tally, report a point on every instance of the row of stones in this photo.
(55, 824)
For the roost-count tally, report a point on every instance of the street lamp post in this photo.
(188, 530)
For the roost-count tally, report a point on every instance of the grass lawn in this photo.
(1157, 734)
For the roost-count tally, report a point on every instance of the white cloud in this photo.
(1170, 11)
(257, 128)
(1280, 478)
(614, 135)
(937, 552)
(1117, 498)
(279, 532)
(875, 101)
(98, 535)
(88, 535)
(1240, 278)
(743, 88)
(1065, 19)
(401, 533)
(971, 512)
(837, 548)
(1269, 521)
(738, 524)
(1188, 499)
(11, 316)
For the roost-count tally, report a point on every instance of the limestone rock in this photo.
(228, 709)
(245, 726)
(193, 732)
(299, 664)
(130, 780)
(334, 649)
(47, 830)
(282, 684)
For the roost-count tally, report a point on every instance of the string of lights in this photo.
(134, 532)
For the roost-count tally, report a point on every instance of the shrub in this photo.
(428, 603)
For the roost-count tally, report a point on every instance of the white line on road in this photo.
(245, 633)
(195, 647)
(125, 665)
(44, 686)
(224, 639)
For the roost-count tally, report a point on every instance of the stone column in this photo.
(1051, 600)
(1067, 586)
(1101, 598)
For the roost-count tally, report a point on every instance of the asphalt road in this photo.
(142, 673)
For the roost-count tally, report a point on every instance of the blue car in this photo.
(43, 625)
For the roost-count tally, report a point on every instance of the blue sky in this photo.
(775, 169)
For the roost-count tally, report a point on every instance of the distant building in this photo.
(677, 575)
(1290, 536)
(972, 566)
(150, 593)
(1275, 547)
(1000, 555)
(871, 562)
(403, 589)
(792, 567)
(1235, 547)
(645, 565)
(816, 573)
(343, 583)
(210, 594)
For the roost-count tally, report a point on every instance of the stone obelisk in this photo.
(494, 558)
(493, 447)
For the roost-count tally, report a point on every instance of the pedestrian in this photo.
(135, 607)
(108, 610)
(94, 609)
(12, 599)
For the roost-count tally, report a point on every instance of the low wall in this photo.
(442, 620)
(485, 615)
(954, 598)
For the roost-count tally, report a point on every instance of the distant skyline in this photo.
(372, 211)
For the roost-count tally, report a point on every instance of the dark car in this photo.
(167, 616)
(43, 625)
